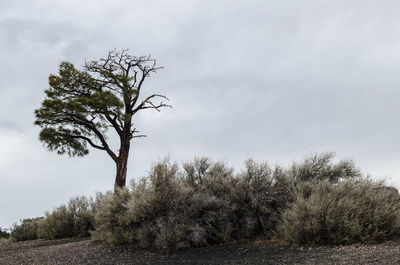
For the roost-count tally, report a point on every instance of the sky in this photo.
(270, 80)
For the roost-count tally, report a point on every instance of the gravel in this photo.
(85, 251)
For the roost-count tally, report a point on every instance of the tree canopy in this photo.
(82, 104)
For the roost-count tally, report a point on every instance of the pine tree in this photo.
(82, 104)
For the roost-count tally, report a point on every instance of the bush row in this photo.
(204, 202)
(76, 219)
(202, 205)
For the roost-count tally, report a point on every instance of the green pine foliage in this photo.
(4, 235)
(75, 109)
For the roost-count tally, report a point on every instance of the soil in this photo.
(85, 251)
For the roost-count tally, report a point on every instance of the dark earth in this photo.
(85, 251)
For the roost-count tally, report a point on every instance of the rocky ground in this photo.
(85, 251)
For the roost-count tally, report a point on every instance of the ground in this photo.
(85, 251)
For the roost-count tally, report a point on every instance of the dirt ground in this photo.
(85, 251)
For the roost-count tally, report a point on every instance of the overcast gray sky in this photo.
(269, 80)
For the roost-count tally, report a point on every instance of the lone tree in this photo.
(82, 104)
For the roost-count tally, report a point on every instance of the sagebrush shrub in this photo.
(27, 230)
(73, 220)
(203, 204)
(262, 193)
(57, 224)
(144, 215)
(111, 220)
(341, 213)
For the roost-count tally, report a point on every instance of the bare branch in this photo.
(139, 136)
(151, 105)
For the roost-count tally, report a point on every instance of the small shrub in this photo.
(347, 212)
(74, 220)
(144, 214)
(57, 224)
(27, 230)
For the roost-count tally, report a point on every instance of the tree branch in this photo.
(142, 105)
(139, 136)
(114, 123)
(89, 141)
(103, 142)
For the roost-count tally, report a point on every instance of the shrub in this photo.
(83, 211)
(203, 204)
(316, 201)
(261, 194)
(144, 215)
(27, 230)
(72, 220)
(111, 221)
(57, 224)
(347, 212)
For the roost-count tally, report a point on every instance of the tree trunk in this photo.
(122, 165)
